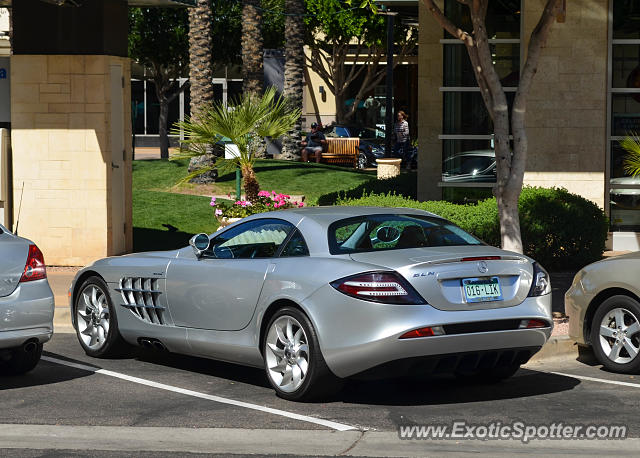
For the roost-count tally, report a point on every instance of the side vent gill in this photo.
(140, 295)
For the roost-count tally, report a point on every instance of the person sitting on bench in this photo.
(313, 143)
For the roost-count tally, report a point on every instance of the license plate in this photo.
(481, 289)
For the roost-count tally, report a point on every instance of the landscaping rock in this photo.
(200, 162)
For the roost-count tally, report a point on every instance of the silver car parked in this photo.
(26, 304)
(603, 306)
(316, 295)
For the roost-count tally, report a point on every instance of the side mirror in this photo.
(199, 243)
(387, 234)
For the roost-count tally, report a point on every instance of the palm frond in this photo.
(631, 144)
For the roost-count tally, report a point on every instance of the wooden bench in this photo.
(341, 151)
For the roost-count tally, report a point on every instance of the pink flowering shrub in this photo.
(267, 201)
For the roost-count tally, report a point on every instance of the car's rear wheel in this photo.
(293, 360)
(615, 334)
(96, 321)
(363, 162)
(22, 359)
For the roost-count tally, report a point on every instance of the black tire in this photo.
(489, 376)
(631, 306)
(318, 382)
(22, 359)
(114, 345)
(363, 162)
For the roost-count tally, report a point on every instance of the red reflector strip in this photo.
(481, 258)
(537, 324)
(422, 332)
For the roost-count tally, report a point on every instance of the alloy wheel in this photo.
(93, 317)
(287, 354)
(620, 335)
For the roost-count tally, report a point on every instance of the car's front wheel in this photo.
(22, 359)
(96, 321)
(615, 334)
(293, 360)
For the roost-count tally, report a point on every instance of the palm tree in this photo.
(293, 69)
(245, 122)
(200, 56)
(252, 47)
(631, 144)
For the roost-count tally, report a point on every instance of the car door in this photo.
(220, 290)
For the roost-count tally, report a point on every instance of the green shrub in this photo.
(404, 184)
(562, 231)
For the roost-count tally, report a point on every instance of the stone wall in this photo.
(62, 155)
(567, 105)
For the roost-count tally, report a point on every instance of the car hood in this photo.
(13, 257)
(436, 273)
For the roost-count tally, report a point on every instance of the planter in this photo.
(388, 168)
(224, 221)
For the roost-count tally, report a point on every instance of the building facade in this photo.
(585, 97)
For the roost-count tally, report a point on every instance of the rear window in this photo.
(394, 232)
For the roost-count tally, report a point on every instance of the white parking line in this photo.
(601, 380)
(196, 394)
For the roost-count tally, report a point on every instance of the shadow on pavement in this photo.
(42, 375)
(438, 390)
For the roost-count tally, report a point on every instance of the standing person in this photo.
(313, 143)
(401, 131)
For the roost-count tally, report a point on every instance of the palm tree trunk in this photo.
(200, 56)
(293, 71)
(250, 183)
(252, 47)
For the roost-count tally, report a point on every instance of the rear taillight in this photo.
(35, 268)
(387, 287)
(423, 332)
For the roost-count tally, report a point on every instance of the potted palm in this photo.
(246, 122)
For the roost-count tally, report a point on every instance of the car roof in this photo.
(479, 152)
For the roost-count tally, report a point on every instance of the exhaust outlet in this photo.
(30, 347)
(146, 343)
(159, 346)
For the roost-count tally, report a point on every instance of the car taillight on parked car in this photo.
(541, 284)
(35, 268)
(386, 287)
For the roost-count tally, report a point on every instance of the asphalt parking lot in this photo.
(165, 402)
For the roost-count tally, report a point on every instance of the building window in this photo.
(624, 111)
(468, 157)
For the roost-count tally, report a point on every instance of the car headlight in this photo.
(541, 283)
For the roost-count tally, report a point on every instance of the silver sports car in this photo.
(316, 295)
(604, 311)
(26, 304)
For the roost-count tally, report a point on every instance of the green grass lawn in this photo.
(166, 219)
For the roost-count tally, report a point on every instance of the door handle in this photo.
(114, 166)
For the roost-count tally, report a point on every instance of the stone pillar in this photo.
(61, 122)
(429, 106)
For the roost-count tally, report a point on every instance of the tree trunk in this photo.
(293, 71)
(341, 108)
(200, 56)
(252, 47)
(250, 184)
(162, 128)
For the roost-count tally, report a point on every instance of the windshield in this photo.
(394, 232)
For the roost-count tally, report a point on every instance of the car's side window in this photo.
(254, 239)
(296, 246)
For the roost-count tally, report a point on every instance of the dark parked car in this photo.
(371, 142)
(474, 166)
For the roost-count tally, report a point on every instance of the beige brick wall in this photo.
(566, 110)
(60, 109)
(429, 106)
(567, 106)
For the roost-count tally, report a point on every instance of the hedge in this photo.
(561, 230)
